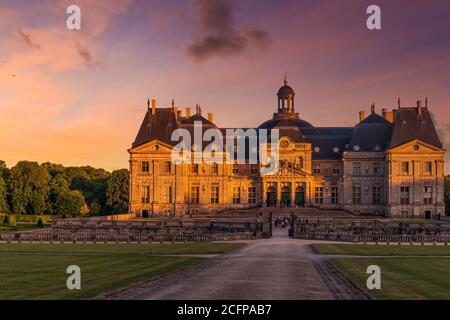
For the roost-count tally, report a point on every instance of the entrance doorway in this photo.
(271, 197)
(428, 215)
(300, 196)
(145, 213)
(285, 197)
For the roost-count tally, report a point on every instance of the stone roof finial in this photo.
(426, 102)
(173, 102)
(148, 103)
(372, 107)
(399, 103)
(285, 78)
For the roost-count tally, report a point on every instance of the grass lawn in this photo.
(402, 278)
(381, 250)
(38, 271)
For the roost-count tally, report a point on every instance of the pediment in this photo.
(415, 146)
(154, 146)
(288, 169)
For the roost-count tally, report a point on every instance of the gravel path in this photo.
(277, 268)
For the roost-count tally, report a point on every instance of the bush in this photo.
(6, 220)
(40, 224)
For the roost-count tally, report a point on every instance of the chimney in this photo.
(419, 106)
(188, 112)
(388, 115)
(153, 107)
(210, 117)
(372, 108)
(362, 116)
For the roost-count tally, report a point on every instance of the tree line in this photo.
(48, 188)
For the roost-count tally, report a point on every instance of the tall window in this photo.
(215, 168)
(214, 193)
(252, 194)
(301, 162)
(405, 168)
(428, 168)
(195, 194)
(168, 194)
(254, 169)
(145, 167)
(195, 168)
(145, 194)
(376, 195)
(428, 195)
(377, 169)
(235, 169)
(357, 168)
(336, 170)
(318, 196)
(356, 194)
(167, 167)
(334, 195)
(236, 195)
(316, 168)
(404, 195)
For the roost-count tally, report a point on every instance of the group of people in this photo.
(282, 222)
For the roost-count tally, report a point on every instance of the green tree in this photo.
(70, 203)
(117, 190)
(6, 220)
(58, 186)
(3, 196)
(28, 185)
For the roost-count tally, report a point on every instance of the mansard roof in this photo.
(372, 134)
(327, 143)
(158, 126)
(409, 125)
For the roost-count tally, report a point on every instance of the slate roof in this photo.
(373, 134)
(410, 125)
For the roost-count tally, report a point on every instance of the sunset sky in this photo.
(78, 97)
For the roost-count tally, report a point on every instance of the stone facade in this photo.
(390, 164)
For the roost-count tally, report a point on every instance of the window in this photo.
(167, 167)
(405, 168)
(334, 195)
(214, 193)
(168, 194)
(195, 168)
(318, 196)
(252, 194)
(300, 162)
(428, 195)
(336, 170)
(356, 194)
(145, 167)
(316, 169)
(404, 195)
(235, 169)
(215, 168)
(376, 195)
(357, 168)
(236, 195)
(377, 169)
(428, 168)
(254, 169)
(195, 194)
(146, 194)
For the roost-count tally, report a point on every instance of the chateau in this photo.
(390, 164)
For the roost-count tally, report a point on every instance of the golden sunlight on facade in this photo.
(390, 164)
